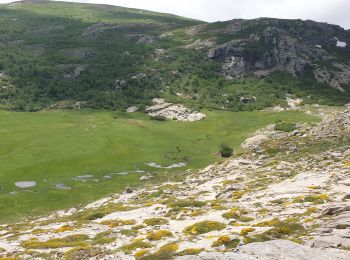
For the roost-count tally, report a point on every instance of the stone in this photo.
(144, 178)
(132, 109)
(254, 142)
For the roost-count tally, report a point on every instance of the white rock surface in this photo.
(173, 111)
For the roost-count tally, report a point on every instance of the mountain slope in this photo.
(55, 54)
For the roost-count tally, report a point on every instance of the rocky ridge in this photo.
(285, 196)
(281, 45)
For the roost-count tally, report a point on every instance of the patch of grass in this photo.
(55, 142)
(83, 252)
(103, 238)
(158, 235)
(237, 214)
(156, 221)
(281, 229)
(190, 251)
(118, 222)
(341, 226)
(187, 204)
(204, 227)
(93, 214)
(227, 242)
(136, 244)
(285, 126)
(165, 252)
(315, 199)
(69, 241)
(129, 232)
(246, 231)
(64, 228)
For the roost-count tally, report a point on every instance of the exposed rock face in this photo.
(173, 111)
(338, 78)
(334, 125)
(254, 142)
(95, 30)
(282, 45)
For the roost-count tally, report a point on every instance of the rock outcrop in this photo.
(173, 111)
(282, 45)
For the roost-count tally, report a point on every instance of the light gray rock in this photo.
(254, 142)
(173, 111)
(273, 250)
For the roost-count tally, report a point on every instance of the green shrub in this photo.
(158, 118)
(155, 221)
(187, 204)
(226, 151)
(204, 227)
(69, 241)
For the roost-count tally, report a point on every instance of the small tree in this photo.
(226, 151)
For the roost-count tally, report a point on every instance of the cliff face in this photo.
(264, 45)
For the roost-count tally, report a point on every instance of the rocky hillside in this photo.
(286, 196)
(68, 55)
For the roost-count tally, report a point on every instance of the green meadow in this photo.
(78, 156)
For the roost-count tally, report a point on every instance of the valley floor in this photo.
(51, 160)
(286, 196)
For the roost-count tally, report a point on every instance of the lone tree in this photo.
(226, 151)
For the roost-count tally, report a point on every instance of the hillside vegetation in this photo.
(68, 55)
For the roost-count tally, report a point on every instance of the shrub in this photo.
(129, 232)
(227, 242)
(187, 204)
(141, 253)
(82, 253)
(64, 228)
(118, 222)
(190, 251)
(158, 235)
(103, 238)
(69, 241)
(158, 118)
(238, 214)
(155, 221)
(225, 151)
(280, 229)
(166, 252)
(94, 216)
(204, 227)
(136, 244)
(245, 231)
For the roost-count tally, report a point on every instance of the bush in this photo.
(204, 227)
(69, 241)
(158, 118)
(227, 242)
(225, 151)
(155, 221)
(158, 235)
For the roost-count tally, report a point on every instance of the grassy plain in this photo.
(54, 147)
